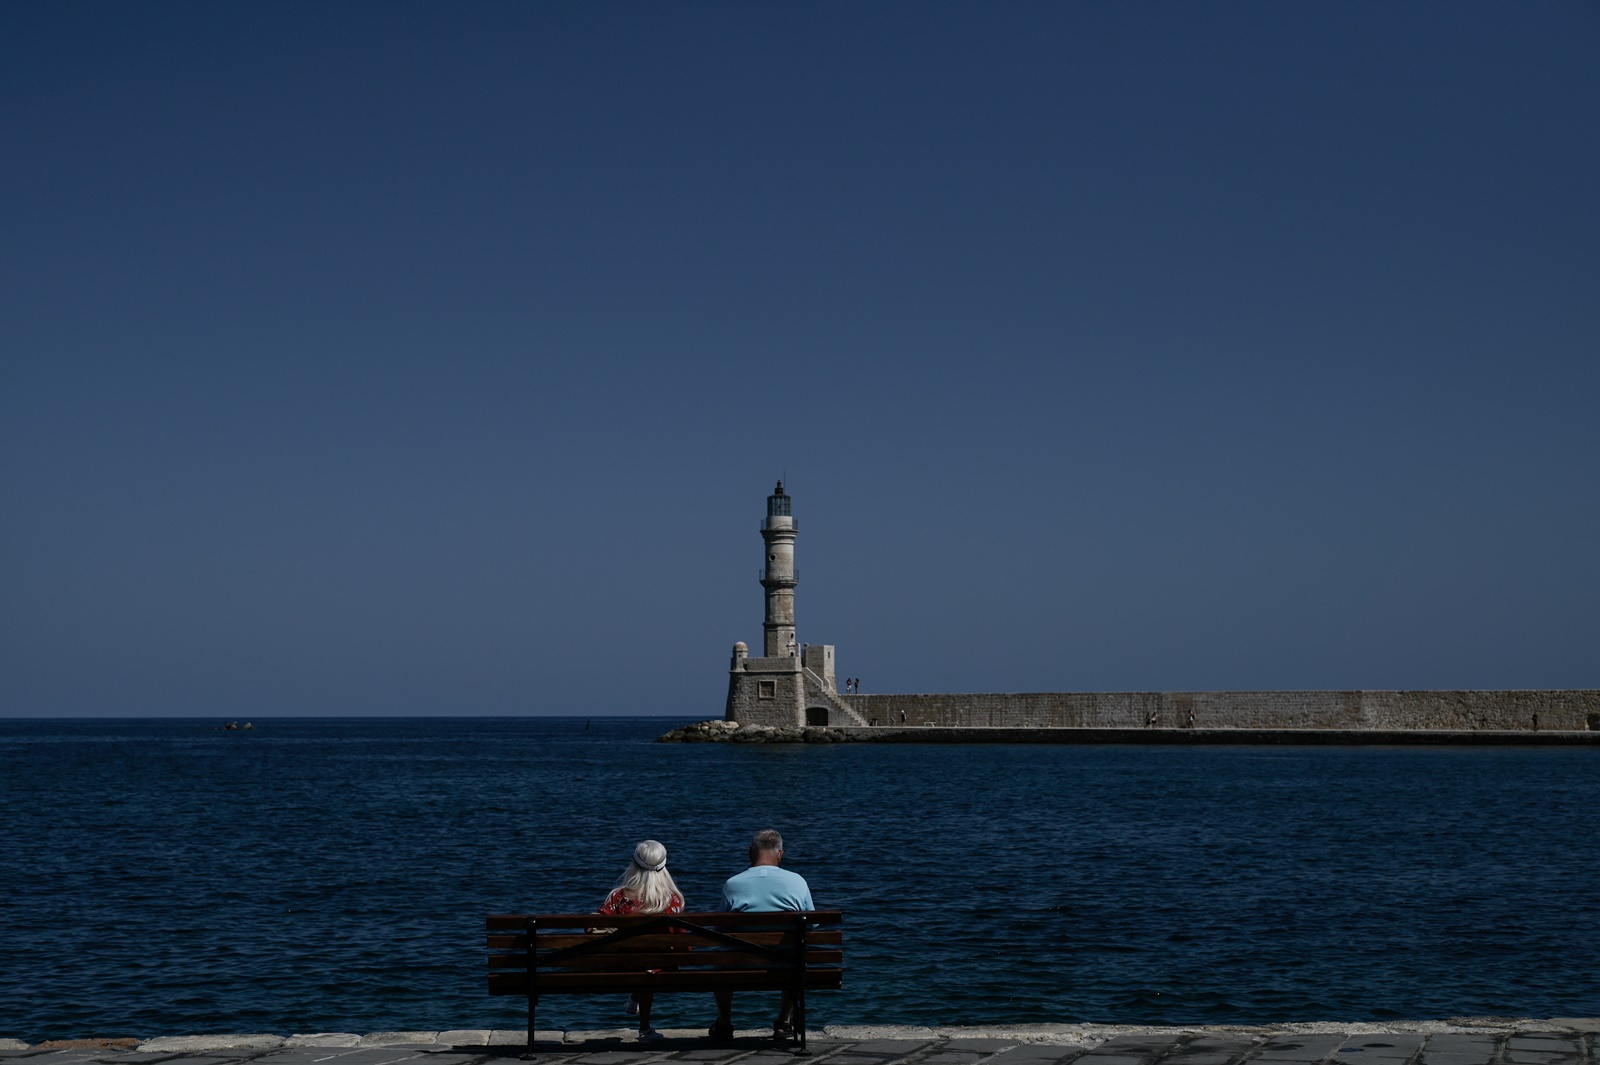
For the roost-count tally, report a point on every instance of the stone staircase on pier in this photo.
(839, 711)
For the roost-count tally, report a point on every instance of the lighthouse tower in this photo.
(778, 576)
(790, 684)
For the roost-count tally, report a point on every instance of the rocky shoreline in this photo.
(720, 731)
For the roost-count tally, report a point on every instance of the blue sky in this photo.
(437, 358)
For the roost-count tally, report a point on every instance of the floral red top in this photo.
(618, 904)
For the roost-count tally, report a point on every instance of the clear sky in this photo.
(403, 358)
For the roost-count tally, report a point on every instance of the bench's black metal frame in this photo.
(545, 954)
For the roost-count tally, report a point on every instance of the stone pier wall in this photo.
(1571, 710)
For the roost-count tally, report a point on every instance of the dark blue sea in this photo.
(165, 877)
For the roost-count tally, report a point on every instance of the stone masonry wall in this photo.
(748, 703)
(1569, 710)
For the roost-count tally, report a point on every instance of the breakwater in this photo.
(1558, 710)
(717, 731)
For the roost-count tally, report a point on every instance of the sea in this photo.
(171, 876)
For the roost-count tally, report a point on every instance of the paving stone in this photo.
(371, 1055)
(1481, 1051)
(1199, 1048)
(615, 1057)
(600, 1035)
(190, 1044)
(236, 1056)
(1298, 1048)
(952, 1057)
(980, 1044)
(1462, 1042)
(863, 1034)
(895, 1045)
(1039, 1054)
(518, 1037)
(397, 1039)
(1386, 1049)
(1206, 1057)
(1562, 1044)
(1011, 1034)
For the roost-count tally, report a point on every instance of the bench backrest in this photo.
(584, 952)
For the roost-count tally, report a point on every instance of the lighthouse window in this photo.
(772, 558)
(766, 689)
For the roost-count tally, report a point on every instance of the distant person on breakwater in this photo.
(645, 887)
(762, 888)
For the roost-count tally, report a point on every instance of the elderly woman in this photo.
(645, 887)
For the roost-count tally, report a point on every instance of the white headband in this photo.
(657, 867)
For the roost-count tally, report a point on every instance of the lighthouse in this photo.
(778, 576)
(790, 684)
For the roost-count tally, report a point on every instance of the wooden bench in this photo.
(534, 955)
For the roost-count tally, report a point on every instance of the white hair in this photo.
(646, 880)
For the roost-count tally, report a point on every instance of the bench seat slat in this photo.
(740, 979)
(820, 937)
(636, 962)
(499, 922)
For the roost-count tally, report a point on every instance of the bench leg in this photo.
(533, 1003)
(800, 1022)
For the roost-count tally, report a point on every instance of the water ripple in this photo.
(160, 877)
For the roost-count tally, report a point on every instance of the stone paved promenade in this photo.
(1484, 1041)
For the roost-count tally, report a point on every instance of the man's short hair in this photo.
(767, 841)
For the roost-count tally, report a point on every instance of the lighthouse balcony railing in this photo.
(777, 521)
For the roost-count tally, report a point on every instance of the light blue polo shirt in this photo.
(766, 888)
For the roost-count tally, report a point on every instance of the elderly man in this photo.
(762, 888)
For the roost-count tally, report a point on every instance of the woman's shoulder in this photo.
(617, 903)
